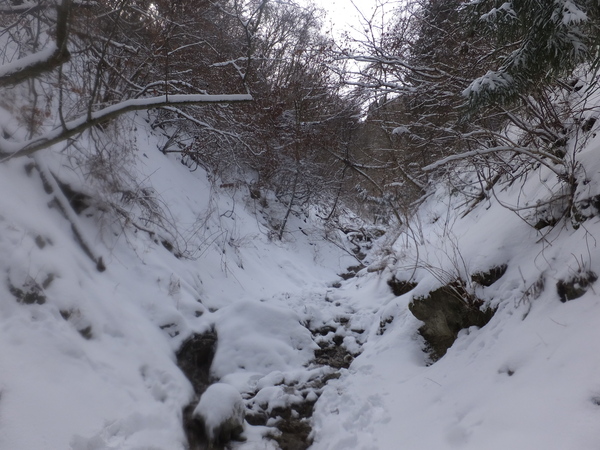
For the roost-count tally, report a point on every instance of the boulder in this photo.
(445, 312)
(490, 277)
(575, 286)
(194, 358)
(221, 411)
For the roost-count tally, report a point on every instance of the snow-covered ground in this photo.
(94, 365)
(87, 357)
(526, 380)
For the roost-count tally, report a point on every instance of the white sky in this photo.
(347, 15)
(343, 14)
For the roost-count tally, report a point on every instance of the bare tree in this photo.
(41, 53)
(416, 67)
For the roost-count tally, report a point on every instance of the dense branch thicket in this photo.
(73, 67)
(490, 88)
(255, 93)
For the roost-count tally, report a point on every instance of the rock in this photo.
(576, 286)
(446, 311)
(195, 357)
(490, 277)
(588, 124)
(221, 412)
(400, 287)
(351, 271)
(78, 200)
(32, 293)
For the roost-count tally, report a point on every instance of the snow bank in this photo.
(525, 380)
(91, 362)
(88, 358)
(222, 411)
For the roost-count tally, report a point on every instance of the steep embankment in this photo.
(88, 336)
(527, 379)
(89, 333)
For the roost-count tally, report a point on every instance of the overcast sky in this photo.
(345, 15)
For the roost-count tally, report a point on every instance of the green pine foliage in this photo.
(536, 42)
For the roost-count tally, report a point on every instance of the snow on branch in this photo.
(505, 9)
(33, 65)
(209, 128)
(490, 82)
(537, 155)
(10, 8)
(10, 149)
(45, 60)
(26, 64)
(27, 7)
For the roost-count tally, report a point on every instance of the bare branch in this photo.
(12, 150)
(46, 60)
(535, 154)
(354, 167)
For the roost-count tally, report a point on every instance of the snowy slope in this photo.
(527, 380)
(91, 362)
(87, 357)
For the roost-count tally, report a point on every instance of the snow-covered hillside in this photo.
(88, 356)
(526, 380)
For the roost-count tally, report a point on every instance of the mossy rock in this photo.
(445, 312)
(575, 287)
(490, 277)
(335, 356)
(194, 358)
(294, 426)
(227, 423)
